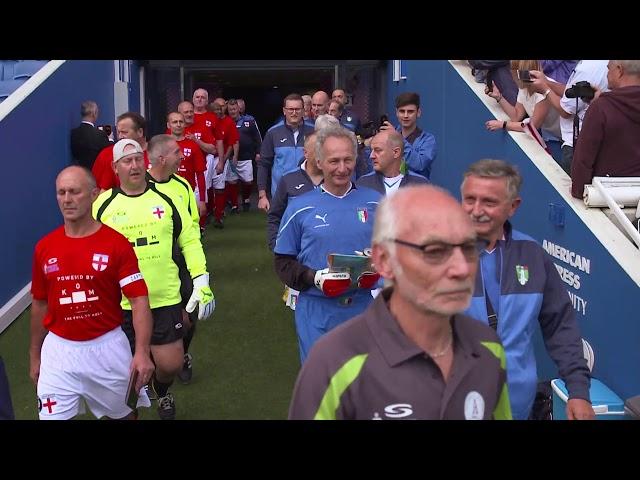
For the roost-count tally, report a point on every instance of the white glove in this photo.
(202, 296)
(332, 284)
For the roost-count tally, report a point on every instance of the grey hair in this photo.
(334, 132)
(158, 146)
(325, 121)
(395, 140)
(632, 67)
(385, 225)
(309, 139)
(88, 107)
(489, 168)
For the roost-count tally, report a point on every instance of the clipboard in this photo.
(356, 265)
(132, 393)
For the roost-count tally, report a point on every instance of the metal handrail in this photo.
(599, 183)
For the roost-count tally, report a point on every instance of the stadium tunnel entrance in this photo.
(262, 83)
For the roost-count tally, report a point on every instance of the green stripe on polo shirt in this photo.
(337, 386)
(497, 350)
(503, 407)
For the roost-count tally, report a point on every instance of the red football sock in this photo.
(220, 202)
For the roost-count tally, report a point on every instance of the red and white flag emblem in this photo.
(158, 211)
(100, 262)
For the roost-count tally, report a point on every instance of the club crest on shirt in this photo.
(522, 274)
(246, 124)
(363, 214)
(100, 261)
(473, 406)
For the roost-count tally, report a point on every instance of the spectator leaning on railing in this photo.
(609, 142)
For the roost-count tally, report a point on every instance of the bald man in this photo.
(319, 104)
(78, 352)
(387, 151)
(412, 344)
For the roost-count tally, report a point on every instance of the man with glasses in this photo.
(282, 148)
(411, 354)
(519, 287)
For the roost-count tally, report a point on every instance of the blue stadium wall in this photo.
(609, 318)
(35, 147)
(134, 87)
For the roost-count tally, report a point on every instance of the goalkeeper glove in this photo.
(368, 280)
(332, 284)
(201, 296)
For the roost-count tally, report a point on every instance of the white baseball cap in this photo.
(118, 149)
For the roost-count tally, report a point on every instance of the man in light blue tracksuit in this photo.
(517, 287)
(282, 149)
(419, 145)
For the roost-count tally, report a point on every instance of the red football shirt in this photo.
(200, 132)
(208, 119)
(193, 163)
(227, 131)
(82, 280)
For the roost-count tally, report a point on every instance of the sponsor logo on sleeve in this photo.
(51, 266)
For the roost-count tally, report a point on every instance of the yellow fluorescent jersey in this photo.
(153, 224)
(178, 188)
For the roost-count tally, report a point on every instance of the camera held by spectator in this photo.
(371, 128)
(582, 90)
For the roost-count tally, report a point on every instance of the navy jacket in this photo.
(374, 180)
(291, 184)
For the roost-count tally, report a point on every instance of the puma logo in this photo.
(323, 218)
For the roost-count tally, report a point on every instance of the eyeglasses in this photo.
(291, 110)
(439, 252)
